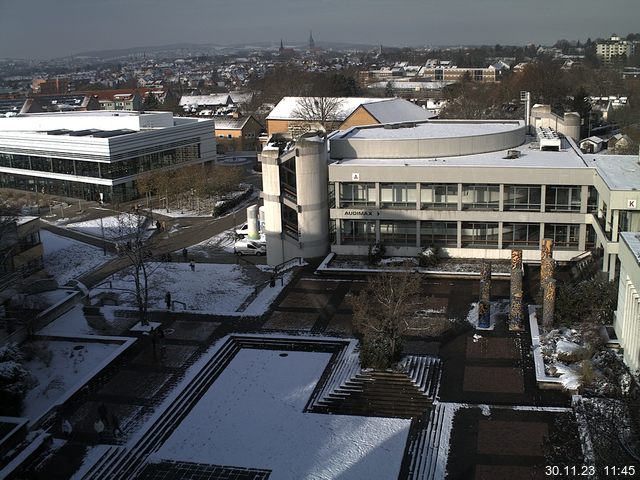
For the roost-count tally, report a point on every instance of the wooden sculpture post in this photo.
(484, 305)
(515, 307)
(549, 303)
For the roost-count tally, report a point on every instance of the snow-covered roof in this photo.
(397, 110)
(592, 139)
(286, 107)
(633, 242)
(439, 129)
(620, 172)
(206, 100)
(230, 123)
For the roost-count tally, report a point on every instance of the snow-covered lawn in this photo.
(114, 227)
(252, 416)
(212, 288)
(67, 259)
(70, 362)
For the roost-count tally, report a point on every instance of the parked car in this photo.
(249, 247)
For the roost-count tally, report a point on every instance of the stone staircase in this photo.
(425, 449)
(127, 462)
(378, 394)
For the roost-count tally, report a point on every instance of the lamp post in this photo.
(104, 243)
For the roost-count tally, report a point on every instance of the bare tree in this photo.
(322, 110)
(382, 313)
(133, 243)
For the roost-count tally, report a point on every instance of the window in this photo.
(357, 232)
(442, 196)
(521, 235)
(592, 200)
(563, 236)
(331, 195)
(480, 197)
(398, 232)
(477, 75)
(357, 195)
(229, 136)
(288, 181)
(439, 74)
(442, 234)
(522, 197)
(398, 195)
(290, 222)
(563, 199)
(479, 234)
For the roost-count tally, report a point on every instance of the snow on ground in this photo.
(70, 362)
(115, 226)
(67, 259)
(267, 295)
(212, 288)
(253, 417)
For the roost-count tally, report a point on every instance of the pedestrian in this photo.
(103, 412)
(154, 340)
(185, 253)
(164, 225)
(98, 426)
(192, 265)
(158, 225)
(167, 299)
(115, 423)
(66, 428)
(169, 257)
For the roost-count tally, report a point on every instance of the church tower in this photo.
(312, 43)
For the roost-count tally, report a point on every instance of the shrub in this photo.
(13, 380)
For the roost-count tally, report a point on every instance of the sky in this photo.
(43, 29)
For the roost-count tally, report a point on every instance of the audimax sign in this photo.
(361, 213)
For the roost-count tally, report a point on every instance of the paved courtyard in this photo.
(495, 369)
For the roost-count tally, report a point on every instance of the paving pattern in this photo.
(495, 370)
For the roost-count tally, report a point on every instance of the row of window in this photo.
(113, 170)
(472, 197)
(66, 188)
(445, 234)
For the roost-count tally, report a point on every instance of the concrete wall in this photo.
(426, 147)
(568, 125)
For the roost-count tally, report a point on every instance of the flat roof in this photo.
(620, 172)
(633, 242)
(530, 157)
(430, 130)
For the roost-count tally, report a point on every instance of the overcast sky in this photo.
(53, 28)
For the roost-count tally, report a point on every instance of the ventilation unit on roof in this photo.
(511, 154)
(548, 139)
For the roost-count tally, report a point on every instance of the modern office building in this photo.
(98, 154)
(475, 188)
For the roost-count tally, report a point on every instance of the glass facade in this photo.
(563, 236)
(480, 234)
(357, 195)
(290, 222)
(357, 232)
(398, 233)
(288, 179)
(439, 196)
(480, 197)
(110, 170)
(562, 198)
(398, 195)
(522, 197)
(520, 235)
(441, 234)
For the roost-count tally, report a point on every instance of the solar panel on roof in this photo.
(60, 131)
(84, 133)
(113, 133)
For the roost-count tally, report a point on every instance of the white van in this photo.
(249, 247)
